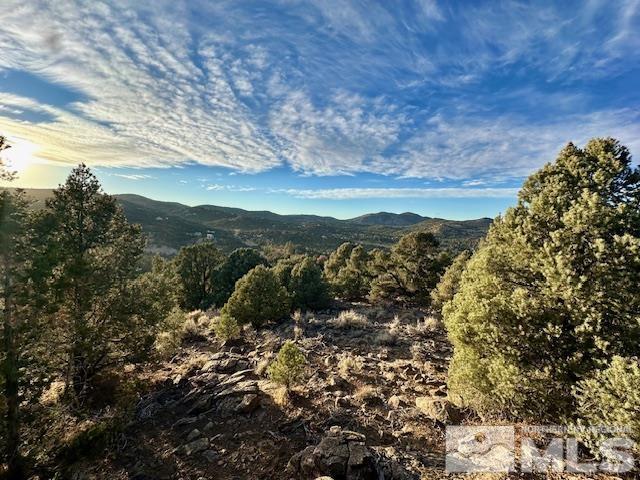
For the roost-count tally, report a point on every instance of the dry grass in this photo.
(385, 338)
(426, 326)
(366, 394)
(350, 319)
(350, 365)
(263, 364)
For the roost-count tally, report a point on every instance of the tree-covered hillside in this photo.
(173, 225)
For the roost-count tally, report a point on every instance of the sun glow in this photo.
(20, 156)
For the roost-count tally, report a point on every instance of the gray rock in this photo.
(341, 454)
(195, 433)
(196, 446)
(240, 388)
(248, 404)
(211, 456)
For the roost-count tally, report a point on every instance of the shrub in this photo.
(347, 271)
(410, 271)
(350, 319)
(237, 265)
(610, 398)
(198, 267)
(307, 286)
(169, 339)
(226, 328)
(258, 298)
(449, 282)
(195, 326)
(288, 367)
(552, 294)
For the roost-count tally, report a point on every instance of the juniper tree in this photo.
(236, 266)
(410, 270)
(553, 293)
(258, 298)
(347, 271)
(307, 286)
(449, 282)
(198, 266)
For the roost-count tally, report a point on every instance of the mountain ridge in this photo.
(171, 225)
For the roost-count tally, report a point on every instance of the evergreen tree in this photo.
(449, 282)
(553, 294)
(347, 271)
(95, 253)
(13, 259)
(307, 287)
(198, 266)
(410, 271)
(258, 298)
(236, 266)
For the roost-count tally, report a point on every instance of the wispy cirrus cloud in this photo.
(426, 89)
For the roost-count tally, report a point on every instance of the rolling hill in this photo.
(171, 225)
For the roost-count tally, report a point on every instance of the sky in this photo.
(332, 107)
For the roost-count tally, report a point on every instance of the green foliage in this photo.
(553, 293)
(258, 298)
(236, 266)
(288, 368)
(198, 266)
(307, 287)
(226, 328)
(610, 398)
(170, 333)
(92, 255)
(4, 173)
(449, 282)
(347, 271)
(410, 271)
(283, 268)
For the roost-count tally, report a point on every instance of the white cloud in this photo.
(133, 176)
(361, 193)
(161, 86)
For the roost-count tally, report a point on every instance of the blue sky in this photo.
(329, 107)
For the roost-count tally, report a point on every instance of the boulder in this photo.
(196, 446)
(438, 408)
(341, 455)
(248, 404)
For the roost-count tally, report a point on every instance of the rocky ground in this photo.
(372, 406)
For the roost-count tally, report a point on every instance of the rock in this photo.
(396, 401)
(195, 433)
(210, 455)
(248, 404)
(196, 446)
(240, 388)
(208, 427)
(202, 404)
(341, 455)
(185, 421)
(438, 408)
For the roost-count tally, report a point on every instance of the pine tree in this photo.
(13, 227)
(95, 253)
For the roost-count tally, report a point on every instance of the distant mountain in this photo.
(389, 219)
(171, 225)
